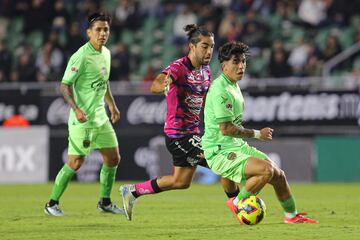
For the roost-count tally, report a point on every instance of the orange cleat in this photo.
(299, 218)
(233, 208)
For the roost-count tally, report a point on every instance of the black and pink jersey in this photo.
(185, 97)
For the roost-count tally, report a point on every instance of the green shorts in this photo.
(83, 140)
(230, 163)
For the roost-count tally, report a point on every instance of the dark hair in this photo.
(230, 49)
(193, 31)
(92, 18)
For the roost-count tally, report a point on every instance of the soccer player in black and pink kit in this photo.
(185, 83)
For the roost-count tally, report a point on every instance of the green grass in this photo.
(196, 213)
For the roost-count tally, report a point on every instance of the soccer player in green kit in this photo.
(85, 86)
(226, 153)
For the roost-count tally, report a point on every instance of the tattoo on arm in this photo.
(67, 92)
(230, 129)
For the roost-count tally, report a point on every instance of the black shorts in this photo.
(185, 151)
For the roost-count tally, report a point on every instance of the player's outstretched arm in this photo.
(114, 111)
(161, 84)
(230, 129)
(66, 91)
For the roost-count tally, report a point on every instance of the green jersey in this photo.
(224, 103)
(88, 73)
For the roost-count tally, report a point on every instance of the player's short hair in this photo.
(194, 32)
(98, 16)
(230, 49)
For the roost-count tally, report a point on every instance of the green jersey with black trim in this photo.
(88, 73)
(224, 103)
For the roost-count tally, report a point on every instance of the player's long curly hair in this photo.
(230, 49)
(194, 32)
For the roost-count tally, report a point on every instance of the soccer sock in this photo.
(148, 187)
(61, 181)
(289, 207)
(242, 194)
(107, 179)
(233, 194)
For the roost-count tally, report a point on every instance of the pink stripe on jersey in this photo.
(185, 98)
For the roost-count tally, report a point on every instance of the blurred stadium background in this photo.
(302, 79)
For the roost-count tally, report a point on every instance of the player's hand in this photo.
(80, 115)
(115, 114)
(167, 82)
(266, 133)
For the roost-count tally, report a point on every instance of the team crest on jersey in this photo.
(229, 106)
(231, 156)
(74, 69)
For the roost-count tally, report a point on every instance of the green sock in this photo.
(61, 181)
(244, 194)
(289, 205)
(107, 178)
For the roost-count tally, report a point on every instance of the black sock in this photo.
(232, 194)
(155, 186)
(105, 201)
(52, 202)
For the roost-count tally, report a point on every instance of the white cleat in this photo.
(111, 208)
(128, 200)
(54, 210)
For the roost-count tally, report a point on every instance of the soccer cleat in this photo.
(128, 200)
(299, 218)
(233, 209)
(54, 210)
(111, 208)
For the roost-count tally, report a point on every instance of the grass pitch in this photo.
(196, 213)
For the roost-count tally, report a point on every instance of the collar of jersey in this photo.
(92, 48)
(227, 79)
(188, 63)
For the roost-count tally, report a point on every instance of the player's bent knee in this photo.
(75, 164)
(114, 161)
(282, 176)
(268, 172)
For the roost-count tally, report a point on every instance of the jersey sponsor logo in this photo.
(98, 85)
(231, 156)
(194, 104)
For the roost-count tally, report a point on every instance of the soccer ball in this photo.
(251, 210)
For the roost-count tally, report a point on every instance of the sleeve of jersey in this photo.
(175, 70)
(223, 108)
(73, 69)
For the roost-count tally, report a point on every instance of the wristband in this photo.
(257, 134)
